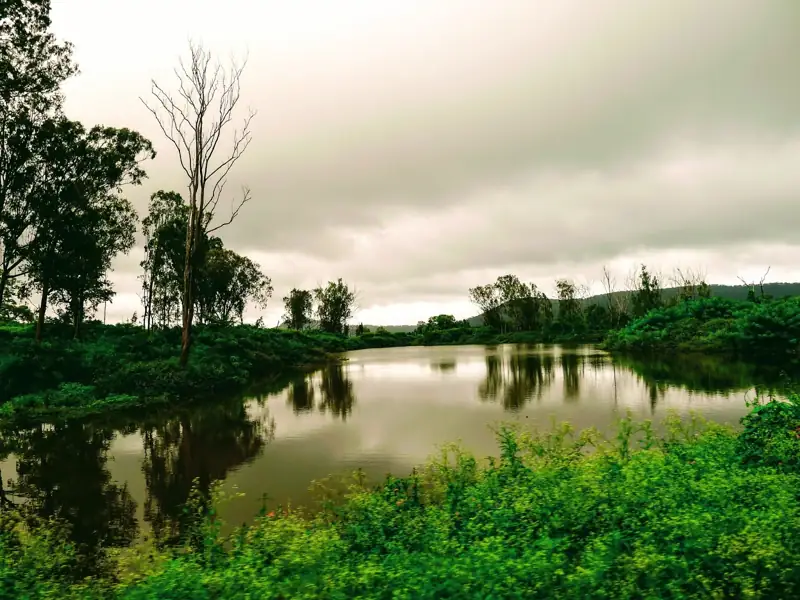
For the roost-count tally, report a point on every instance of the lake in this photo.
(382, 411)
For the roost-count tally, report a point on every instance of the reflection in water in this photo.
(203, 446)
(571, 369)
(335, 392)
(516, 379)
(300, 395)
(444, 366)
(62, 473)
(702, 373)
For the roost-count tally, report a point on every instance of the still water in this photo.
(382, 411)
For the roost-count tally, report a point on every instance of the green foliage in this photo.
(767, 331)
(122, 366)
(226, 282)
(648, 294)
(298, 307)
(164, 229)
(771, 435)
(684, 515)
(335, 304)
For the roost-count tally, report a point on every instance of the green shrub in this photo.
(771, 435)
(767, 331)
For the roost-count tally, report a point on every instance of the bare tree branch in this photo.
(195, 122)
(234, 211)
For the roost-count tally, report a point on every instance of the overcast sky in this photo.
(417, 149)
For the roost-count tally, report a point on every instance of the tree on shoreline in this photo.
(33, 65)
(194, 123)
(298, 307)
(335, 304)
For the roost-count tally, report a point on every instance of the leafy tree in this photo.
(489, 301)
(81, 222)
(335, 303)
(648, 294)
(598, 317)
(570, 313)
(443, 322)
(226, 282)
(534, 310)
(514, 297)
(298, 306)
(164, 230)
(33, 64)
(91, 233)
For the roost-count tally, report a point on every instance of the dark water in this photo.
(383, 411)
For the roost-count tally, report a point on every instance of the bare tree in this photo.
(690, 284)
(609, 285)
(617, 301)
(194, 120)
(752, 285)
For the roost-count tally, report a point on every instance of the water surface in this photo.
(382, 411)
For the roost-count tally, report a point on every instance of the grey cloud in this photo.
(610, 94)
(415, 157)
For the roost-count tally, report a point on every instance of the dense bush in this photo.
(700, 512)
(768, 330)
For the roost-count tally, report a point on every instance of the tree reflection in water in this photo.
(62, 473)
(517, 379)
(300, 395)
(335, 389)
(203, 445)
(443, 366)
(571, 371)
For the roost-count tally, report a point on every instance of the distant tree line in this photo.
(510, 305)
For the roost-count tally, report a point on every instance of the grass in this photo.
(701, 511)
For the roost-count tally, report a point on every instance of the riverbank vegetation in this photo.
(46, 372)
(701, 511)
(122, 366)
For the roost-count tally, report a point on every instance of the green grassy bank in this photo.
(702, 511)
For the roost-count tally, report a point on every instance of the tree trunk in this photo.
(77, 318)
(42, 310)
(3, 285)
(188, 287)
(148, 320)
(187, 312)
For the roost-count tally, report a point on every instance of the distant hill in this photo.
(389, 328)
(732, 292)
